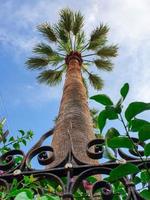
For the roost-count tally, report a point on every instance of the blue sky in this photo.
(28, 105)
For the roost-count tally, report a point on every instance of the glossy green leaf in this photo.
(145, 176)
(136, 108)
(136, 124)
(103, 99)
(147, 149)
(136, 180)
(124, 90)
(122, 171)
(108, 113)
(120, 142)
(145, 194)
(144, 133)
(102, 119)
(111, 133)
(16, 145)
(111, 113)
(22, 132)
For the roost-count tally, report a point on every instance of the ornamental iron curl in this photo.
(71, 175)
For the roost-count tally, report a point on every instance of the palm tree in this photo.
(66, 50)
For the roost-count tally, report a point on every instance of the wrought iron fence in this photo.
(70, 176)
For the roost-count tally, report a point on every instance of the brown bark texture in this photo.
(74, 127)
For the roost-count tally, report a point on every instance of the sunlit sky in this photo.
(28, 105)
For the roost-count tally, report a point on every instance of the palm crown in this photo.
(68, 36)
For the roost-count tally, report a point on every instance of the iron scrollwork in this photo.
(70, 176)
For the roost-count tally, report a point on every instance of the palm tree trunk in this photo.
(74, 128)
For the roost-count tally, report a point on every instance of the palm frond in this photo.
(95, 81)
(43, 49)
(103, 64)
(48, 32)
(80, 40)
(66, 19)
(99, 32)
(50, 77)
(78, 23)
(96, 44)
(108, 51)
(98, 37)
(56, 59)
(61, 34)
(37, 63)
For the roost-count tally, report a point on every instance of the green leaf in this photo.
(108, 113)
(136, 108)
(136, 180)
(103, 99)
(147, 149)
(24, 194)
(24, 142)
(124, 90)
(16, 146)
(11, 139)
(102, 119)
(111, 133)
(136, 124)
(111, 113)
(144, 133)
(120, 142)
(91, 179)
(145, 194)
(122, 171)
(22, 132)
(145, 176)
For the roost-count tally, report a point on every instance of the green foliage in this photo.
(103, 99)
(68, 36)
(115, 140)
(145, 194)
(144, 133)
(136, 124)
(105, 65)
(11, 142)
(120, 142)
(51, 77)
(95, 81)
(124, 90)
(48, 32)
(122, 171)
(136, 108)
(147, 149)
